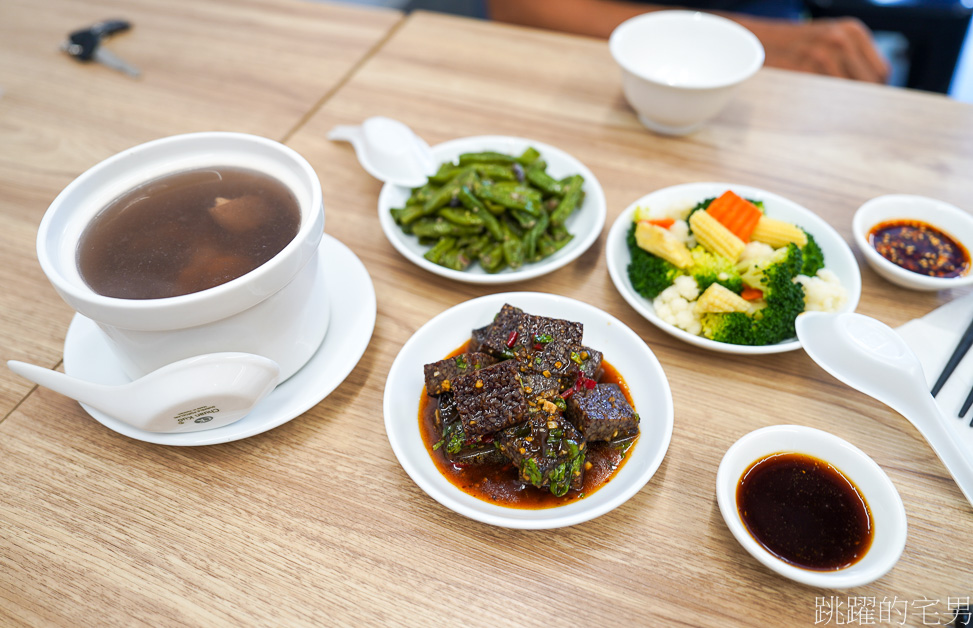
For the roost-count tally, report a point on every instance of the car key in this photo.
(85, 45)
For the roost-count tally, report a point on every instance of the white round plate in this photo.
(87, 355)
(622, 348)
(585, 223)
(838, 257)
(888, 514)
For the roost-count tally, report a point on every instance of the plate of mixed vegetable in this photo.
(528, 410)
(499, 209)
(729, 267)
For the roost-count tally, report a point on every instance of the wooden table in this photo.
(315, 522)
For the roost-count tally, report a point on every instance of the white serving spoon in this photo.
(199, 393)
(389, 151)
(869, 356)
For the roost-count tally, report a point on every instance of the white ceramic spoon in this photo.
(199, 393)
(870, 357)
(389, 151)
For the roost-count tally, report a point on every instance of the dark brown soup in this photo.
(187, 232)
(500, 484)
(805, 511)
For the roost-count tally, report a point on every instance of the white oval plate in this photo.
(838, 257)
(585, 223)
(888, 514)
(622, 348)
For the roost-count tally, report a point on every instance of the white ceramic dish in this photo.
(950, 219)
(837, 255)
(88, 356)
(585, 223)
(679, 68)
(888, 513)
(622, 348)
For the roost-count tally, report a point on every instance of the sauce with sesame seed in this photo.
(920, 247)
(499, 483)
(804, 511)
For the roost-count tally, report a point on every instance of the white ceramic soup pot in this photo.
(279, 310)
(679, 68)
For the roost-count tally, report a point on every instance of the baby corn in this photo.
(659, 241)
(720, 300)
(778, 233)
(715, 237)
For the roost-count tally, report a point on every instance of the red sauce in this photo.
(805, 512)
(919, 247)
(501, 484)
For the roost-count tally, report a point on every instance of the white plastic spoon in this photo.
(389, 151)
(869, 356)
(199, 393)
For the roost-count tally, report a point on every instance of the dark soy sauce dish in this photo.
(920, 247)
(805, 511)
(187, 232)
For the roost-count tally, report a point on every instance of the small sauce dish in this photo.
(948, 219)
(884, 506)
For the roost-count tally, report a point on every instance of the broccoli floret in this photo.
(813, 257)
(784, 301)
(709, 268)
(649, 274)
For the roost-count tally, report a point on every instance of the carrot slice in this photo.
(665, 223)
(751, 294)
(737, 214)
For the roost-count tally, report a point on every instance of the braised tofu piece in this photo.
(440, 375)
(547, 450)
(537, 331)
(495, 338)
(490, 399)
(590, 362)
(602, 413)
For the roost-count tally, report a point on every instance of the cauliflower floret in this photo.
(680, 229)
(675, 305)
(754, 251)
(823, 292)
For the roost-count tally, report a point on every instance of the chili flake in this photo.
(919, 247)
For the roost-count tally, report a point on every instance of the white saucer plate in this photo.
(585, 223)
(87, 355)
(622, 348)
(838, 257)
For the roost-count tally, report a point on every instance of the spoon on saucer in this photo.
(869, 356)
(389, 151)
(198, 393)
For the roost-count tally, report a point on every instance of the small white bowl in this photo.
(949, 219)
(888, 513)
(679, 68)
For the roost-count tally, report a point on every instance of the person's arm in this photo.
(835, 47)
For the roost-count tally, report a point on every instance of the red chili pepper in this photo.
(538, 346)
(511, 339)
(567, 393)
(589, 383)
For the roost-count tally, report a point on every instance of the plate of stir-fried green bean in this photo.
(498, 210)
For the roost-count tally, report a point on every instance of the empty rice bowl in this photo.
(679, 68)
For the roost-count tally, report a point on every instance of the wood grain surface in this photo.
(315, 522)
(254, 66)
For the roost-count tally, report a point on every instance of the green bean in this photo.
(539, 178)
(436, 252)
(525, 220)
(462, 217)
(530, 238)
(495, 172)
(476, 206)
(513, 197)
(513, 249)
(456, 259)
(571, 200)
(446, 173)
(494, 208)
(439, 227)
(529, 156)
(485, 157)
(492, 259)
